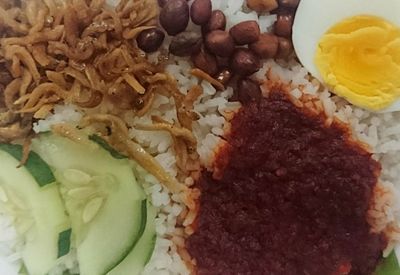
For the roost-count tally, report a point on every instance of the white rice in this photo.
(62, 113)
(380, 131)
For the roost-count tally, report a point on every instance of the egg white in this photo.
(395, 107)
(315, 17)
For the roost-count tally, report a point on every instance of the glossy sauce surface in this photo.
(289, 196)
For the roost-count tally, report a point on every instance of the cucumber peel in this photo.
(39, 214)
(141, 253)
(97, 139)
(64, 242)
(139, 235)
(110, 221)
(36, 166)
(389, 266)
(102, 197)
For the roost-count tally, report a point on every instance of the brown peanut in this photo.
(284, 23)
(216, 22)
(174, 16)
(220, 43)
(266, 46)
(248, 90)
(205, 62)
(262, 5)
(185, 43)
(244, 62)
(200, 11)
(150, 40)
(285, 48)
(245, 32)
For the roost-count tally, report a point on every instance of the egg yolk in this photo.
(359, 59)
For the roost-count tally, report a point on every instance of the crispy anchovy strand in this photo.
(120, 140)
(80, 52)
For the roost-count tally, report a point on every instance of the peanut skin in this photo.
(262, 5)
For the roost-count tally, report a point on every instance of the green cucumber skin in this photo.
(64, 242)
(43, 175)
(153, 246)
(141, 231)
(93, 159)
(114, 153)
(389, 266)
(36, 166)
(111, 265)
(42, 205)
(64, 238)
(141, 253)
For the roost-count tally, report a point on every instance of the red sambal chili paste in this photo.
(291, 198)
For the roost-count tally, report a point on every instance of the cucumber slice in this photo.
(388, 266)
(101, 196)
(35, 165)
(38, 211)
(107, 147)
(64, 242)
(136, 260)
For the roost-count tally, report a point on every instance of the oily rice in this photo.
(380, 131)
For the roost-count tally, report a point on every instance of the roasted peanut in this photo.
(262, 5)
(266, 46)
(285, 48)
(244, 62)
(216, 22)
(150, 40)
(200, 11)
(161, 3)
(185, 43)
(248, 90)
(220, 43)
(283, 25)
(289, 3)
(245, 32)
(223, 62)
(224, 76)
(174, 16)
(206, 62)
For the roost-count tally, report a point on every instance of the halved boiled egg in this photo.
(353, 46)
